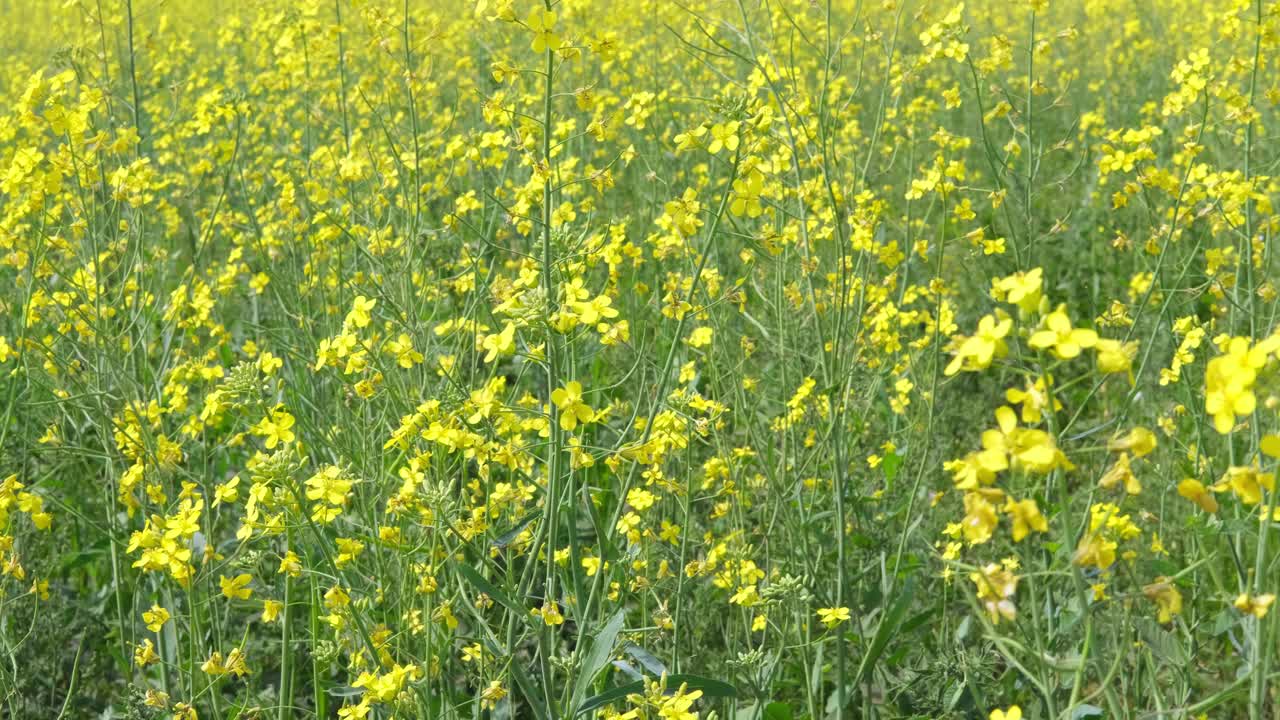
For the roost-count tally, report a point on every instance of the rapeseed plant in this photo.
(565, 358)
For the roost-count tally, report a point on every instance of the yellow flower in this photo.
(214, 666)
(348, 550)
(156, 699)
(359, 711)
(1140, 441)
(572, 410)
(1106, 528)
(641, 499)
(1026, 517)
(359, 315)
(473, 653)
(236, 587)
(145, 654)
(330, 488)
(404, 352)
(276, 428)
(1031, 449)
(724, 136)
(1096, 550)
(1059, 337)
(227, 492)
(1166, 597)
(700, 337)
(543, 24)
(236, 663)
(385, 687)
(290, 565)
(690, 139)
(591, 312)
(500, 344)
(269, 363)
(1196, 492)
(1013, 713)
(676, 706)
(832, 617)
(1114, 356)
(491, 695)
(1248, 483)
(1121, 472)
(684, 212)
(980, 518)
(1021, 289)
(550, 613)
(336, 598)
(996, 587)
(1034, 399)
(1228, 381)
(1255, 606)
(155, 618)
(977, 351)
(271, 610)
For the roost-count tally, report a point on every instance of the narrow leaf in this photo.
(598, 657)
(646, 659)
(478, 582)
(885, 631)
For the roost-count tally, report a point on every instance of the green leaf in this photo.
(778, 711)
(529, 690)
(709, 688)
(344, 691)
(79, 559)
(866, 542)
(1085, 711)
(892, 463)
(628, 670)
(1224, 621)
(1161, 566)
(598, 657)
(918, 620)
(885, 631)
(505, 538)
(478, 582)
(646, 659)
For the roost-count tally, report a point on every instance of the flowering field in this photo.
(639, 359)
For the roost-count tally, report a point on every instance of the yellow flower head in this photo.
(832, 617)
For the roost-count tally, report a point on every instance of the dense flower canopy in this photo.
(636, 360)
